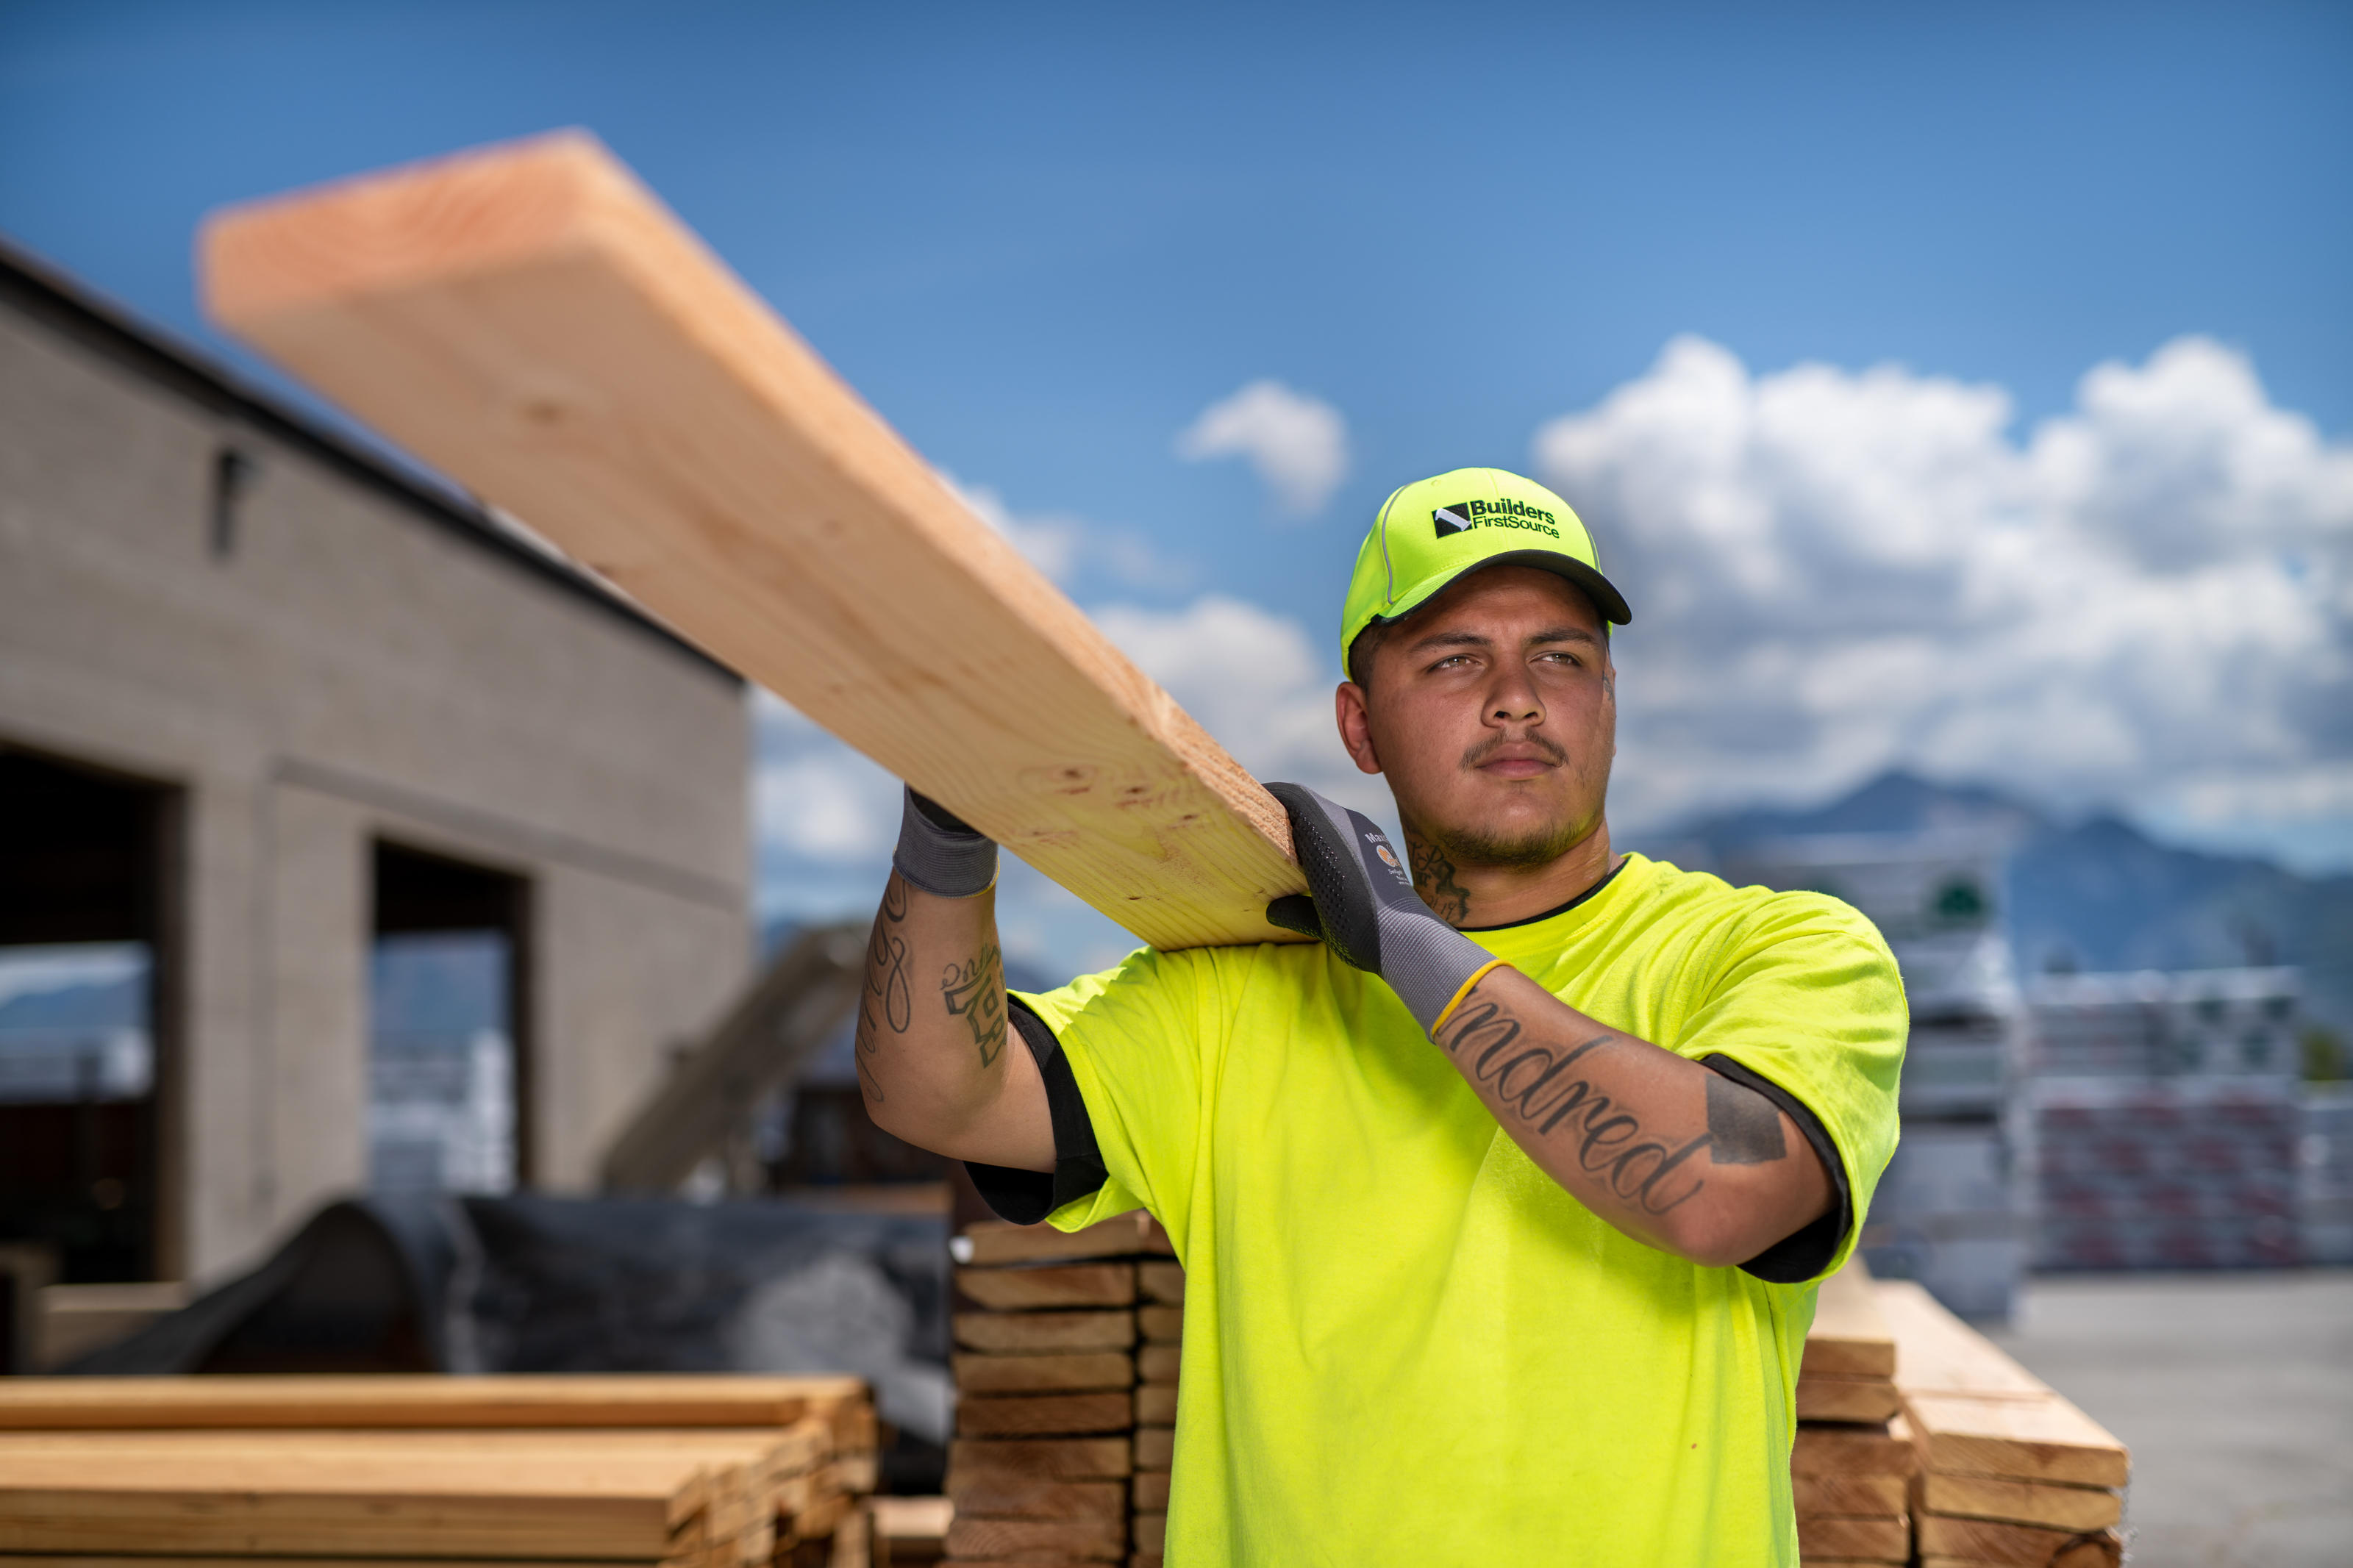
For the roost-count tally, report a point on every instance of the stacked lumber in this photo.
(1851, 1468)
(1045, 1365)
(2008, 1471)
(667, 1472)
(1160, 1324)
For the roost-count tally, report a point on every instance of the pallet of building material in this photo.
(2009, 1471)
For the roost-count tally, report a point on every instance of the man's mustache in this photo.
(1479, 754)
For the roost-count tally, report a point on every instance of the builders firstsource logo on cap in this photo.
(1463, 516)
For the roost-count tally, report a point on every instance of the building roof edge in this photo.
(47, 294)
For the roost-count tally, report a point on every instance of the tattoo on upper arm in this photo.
(1743, 1128)
(1433, 878)
(887, 1001)
(1538, 1086)
(975, 992)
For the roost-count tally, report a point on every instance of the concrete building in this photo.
(303, 734)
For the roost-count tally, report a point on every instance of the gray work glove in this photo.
(1361, 904)
(939, 853)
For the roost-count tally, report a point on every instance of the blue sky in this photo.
(1044, 239)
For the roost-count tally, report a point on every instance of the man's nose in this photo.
(1513, 701)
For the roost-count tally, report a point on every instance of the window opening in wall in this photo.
(82, 962)
(445, 1026)
(233, 476)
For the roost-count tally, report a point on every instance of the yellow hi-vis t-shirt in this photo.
(1405, 1343)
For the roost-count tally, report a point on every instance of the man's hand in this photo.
(1363, 906)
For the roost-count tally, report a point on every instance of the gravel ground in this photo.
(2234, 1393)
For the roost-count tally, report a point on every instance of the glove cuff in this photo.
(938, 853)
(1428, 963)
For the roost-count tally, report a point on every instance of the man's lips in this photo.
(1515, 759)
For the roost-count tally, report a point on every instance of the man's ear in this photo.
(1349, 707)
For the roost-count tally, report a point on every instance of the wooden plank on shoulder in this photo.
(528, 320)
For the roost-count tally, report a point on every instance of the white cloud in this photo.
(1298, 444)
(1832, 572)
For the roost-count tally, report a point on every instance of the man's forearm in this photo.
(1669, 1151)
(932, 1027)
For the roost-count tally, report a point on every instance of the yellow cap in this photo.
(1430, 532)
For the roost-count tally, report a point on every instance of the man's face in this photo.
(1493, 712)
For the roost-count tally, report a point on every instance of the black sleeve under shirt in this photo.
(1026, 1197)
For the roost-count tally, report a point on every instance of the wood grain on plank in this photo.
(1850, 1336)
(53, 1403)
(1043, 1415)
(531, 321)
(1825, 1398)
(1151, 1491)
(1156, 1404)
(2016, 1439)
(1156, 1447)
(1990, 1540)
(994, 1495)
(987, 1242)
(1938, 1354)
(1150, 1532)
(1161, 1282)
(1055, 1458)
(1075, 1537)
(1039, 1332)
(1881, 1449)
(1161, 1325)
(980, 1372)
(1158, 1363)
(2021, 1502)
(1018, 1289)
(1850, 1496)
(1866, 1540)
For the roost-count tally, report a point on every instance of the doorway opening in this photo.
(448, 1026)
(88, 1014)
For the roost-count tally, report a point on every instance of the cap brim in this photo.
(1594, 587)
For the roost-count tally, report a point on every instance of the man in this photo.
(1500, 1208)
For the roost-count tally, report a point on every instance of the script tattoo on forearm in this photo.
(975, 992)
(887, 1002)
(1743, 1128)
(1433, 878)
(1538, 1086)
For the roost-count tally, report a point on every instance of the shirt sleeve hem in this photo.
(1815, 1248)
